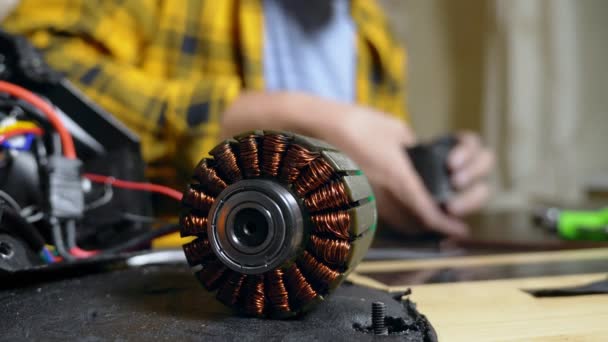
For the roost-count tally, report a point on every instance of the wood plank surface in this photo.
(499, 311)
(482, 260)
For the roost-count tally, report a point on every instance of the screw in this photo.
(378, 315)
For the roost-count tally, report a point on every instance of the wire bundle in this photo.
(26, 129)
(64, 233)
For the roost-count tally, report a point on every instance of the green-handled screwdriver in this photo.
(581, 225)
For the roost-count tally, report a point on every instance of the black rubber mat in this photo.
(166, 303)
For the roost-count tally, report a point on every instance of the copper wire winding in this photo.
(207, 176)
(296, 158)
(276, 292)
(318, 172)
(319, 274)
(254, 301)
(226, 162)
(300, 290)
(230, 290)
(335, 223)
(249, 156)
(192, 225)
(333, 252)
(211, 274)
(197, 199)
(332, 195)
(197, 250)
(274, 145)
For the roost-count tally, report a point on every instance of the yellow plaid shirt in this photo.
(169, 68)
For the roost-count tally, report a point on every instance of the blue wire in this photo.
(48, 256)
(26, 146)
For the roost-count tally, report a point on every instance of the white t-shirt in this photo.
(320, 63)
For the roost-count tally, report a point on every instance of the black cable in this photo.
(13, 221)
(5, 197)
(139, 218)
(143, 238)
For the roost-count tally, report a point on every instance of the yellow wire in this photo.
(170, 241)
(17, 125)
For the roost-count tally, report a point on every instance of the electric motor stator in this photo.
(278, 220)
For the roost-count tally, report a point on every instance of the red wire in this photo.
(150, 187)
(20, 131)
(81, 253)
(69, 151)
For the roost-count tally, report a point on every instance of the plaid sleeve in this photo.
(381, 67)
(98, 45)
(397, 85)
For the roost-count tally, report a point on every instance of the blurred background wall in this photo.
(529, 75)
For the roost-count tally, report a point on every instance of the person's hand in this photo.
(470, 164)
(377, 143)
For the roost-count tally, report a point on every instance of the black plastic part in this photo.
(15, 255)
(66, 197)
(12, 222)
(430, 161)
(22, 64)
(546, 218)
(20, 178)
(596, 287)
(27, 62)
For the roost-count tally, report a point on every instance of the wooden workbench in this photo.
(498, 310)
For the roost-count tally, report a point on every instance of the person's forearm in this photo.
(291, 111)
